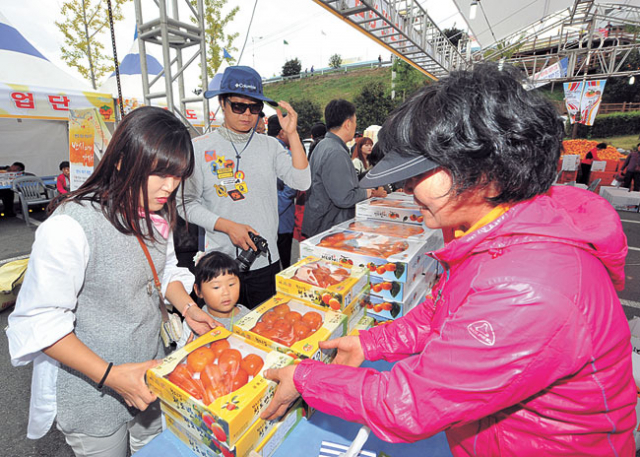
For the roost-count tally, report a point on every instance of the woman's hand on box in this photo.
(128, 380)
(199, 321)
(350, 351)
(285, 395)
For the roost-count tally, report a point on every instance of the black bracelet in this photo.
(104, 378)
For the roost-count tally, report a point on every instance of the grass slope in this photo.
(627, 142)
(324, 88)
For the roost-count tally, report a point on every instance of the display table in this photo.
(621, 199)
(306, 438)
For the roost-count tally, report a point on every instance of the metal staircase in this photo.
(405, 29)
(580, 11)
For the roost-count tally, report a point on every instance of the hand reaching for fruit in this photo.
(285, 395)
(379, 192)
(199, 321)
(350, 351)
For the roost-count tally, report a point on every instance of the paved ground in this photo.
(16, 239)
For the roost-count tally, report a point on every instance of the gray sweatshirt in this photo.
(242, 190)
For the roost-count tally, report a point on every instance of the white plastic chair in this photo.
(31, 190)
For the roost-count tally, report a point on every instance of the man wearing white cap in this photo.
(233, 190)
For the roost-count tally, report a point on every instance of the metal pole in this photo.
(203, 66)
(166, 53)
(183, 105)
(142, 49)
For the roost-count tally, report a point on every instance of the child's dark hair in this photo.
(215, 264)
(64, 164)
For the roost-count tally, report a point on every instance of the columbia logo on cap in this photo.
(238, 80)
(245, 86)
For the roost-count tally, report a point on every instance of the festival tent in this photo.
(131, 79)
(35, 96)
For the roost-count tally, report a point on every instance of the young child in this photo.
(63, 178)
(217, 284)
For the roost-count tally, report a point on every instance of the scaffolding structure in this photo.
(405, 29)
(174, 36)
(595, 39)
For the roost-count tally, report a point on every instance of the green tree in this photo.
(309, 113)
(504, 49)
(291, 67)
(618, 90)
(85, 21)
(454, 35)
(335, 61)
(217, 40)
(408, 79)
(373, 105)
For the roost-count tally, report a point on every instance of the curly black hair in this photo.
(485, 129)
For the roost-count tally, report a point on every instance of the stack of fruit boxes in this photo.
(395, 254)
(389, 298)
(306, 325)
(332, 286)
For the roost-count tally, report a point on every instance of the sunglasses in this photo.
(240, 108)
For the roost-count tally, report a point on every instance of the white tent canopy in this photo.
(35, 95)
(21, 63)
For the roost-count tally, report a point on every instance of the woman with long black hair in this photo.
(88, 315)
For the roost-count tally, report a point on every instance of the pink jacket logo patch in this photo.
(483, 332)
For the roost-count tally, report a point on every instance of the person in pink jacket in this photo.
(524, 348)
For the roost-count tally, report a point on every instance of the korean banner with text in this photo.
(88, 139)
(31, 102)
(582, 100)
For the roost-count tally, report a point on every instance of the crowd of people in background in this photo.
(523, 349)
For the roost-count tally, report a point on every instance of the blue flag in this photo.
(225, 54)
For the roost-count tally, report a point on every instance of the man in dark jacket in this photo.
(334, 188)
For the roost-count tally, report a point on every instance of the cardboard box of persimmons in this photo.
(293, 327)
(217, 381)
(364, 323)
(262, 436)
(330, 285)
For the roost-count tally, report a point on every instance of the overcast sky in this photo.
(313, 33)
